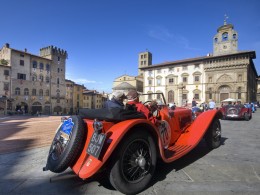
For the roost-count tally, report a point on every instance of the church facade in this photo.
(227, 73)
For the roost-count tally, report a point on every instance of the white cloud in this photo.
(165, 35)
(85, 81)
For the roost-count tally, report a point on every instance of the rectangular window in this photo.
(210, 80)
(197, 66)
(149, 82)
(158, 82)
(150, 73)
(158, 70)
(171, 69)
(6, 72)
(21, 76)
(144, 55)
(184, 96)
(197, 78)
(184, 68)
(196, 96)
(171, 80)
(21, 55)
(22, 62)
(184, 79)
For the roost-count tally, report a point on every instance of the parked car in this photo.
(237, 111)
(125, 146)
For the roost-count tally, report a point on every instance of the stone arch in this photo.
(225, 78)
(224, 92)
(36, 108)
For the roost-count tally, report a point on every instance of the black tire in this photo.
(64, 153)
(246, 116)
(213, 134)
(134, 163)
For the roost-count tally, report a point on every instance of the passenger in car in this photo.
(133, 99)
(116, 101)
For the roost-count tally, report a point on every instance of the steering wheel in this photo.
(147, 102)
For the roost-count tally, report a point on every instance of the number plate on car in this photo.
(96, 143)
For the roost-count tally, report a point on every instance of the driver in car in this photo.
(133, 99)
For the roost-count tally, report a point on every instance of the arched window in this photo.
(47, 93)
(58, 81)
(234, 36)
(34, 64)
(48, 67)
(26, 91)
(41, 66)
(17, 91)
(216, 40)
(40, 92)
(34, 92)
(47, 79)
(225, 36)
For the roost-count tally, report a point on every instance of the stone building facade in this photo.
(93, 99)
(36, 83)
(227, 73)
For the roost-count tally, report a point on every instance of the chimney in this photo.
(7, 45)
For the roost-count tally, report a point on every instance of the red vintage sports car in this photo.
(125, 145)
(238, 111)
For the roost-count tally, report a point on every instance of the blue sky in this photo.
(104, 37)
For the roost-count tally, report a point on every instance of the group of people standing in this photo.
(204, 106)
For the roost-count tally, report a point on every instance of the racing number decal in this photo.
(165, 133)
(96, 143)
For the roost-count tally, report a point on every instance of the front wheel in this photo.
(213, 135)
(134, 164)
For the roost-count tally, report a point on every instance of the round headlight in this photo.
(97, 125)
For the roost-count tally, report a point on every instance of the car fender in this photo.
(200, 126)
(88, 165)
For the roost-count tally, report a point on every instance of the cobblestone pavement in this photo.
(233, 168)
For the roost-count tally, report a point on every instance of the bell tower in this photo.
(226, 40)
(57, 75)
(144, 59)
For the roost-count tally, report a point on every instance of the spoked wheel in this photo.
(134, 164)
(66, 145)
(213, 135)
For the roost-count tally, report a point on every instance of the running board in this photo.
(190, 138)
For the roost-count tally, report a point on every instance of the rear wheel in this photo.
(213, 135)
(134, 164)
